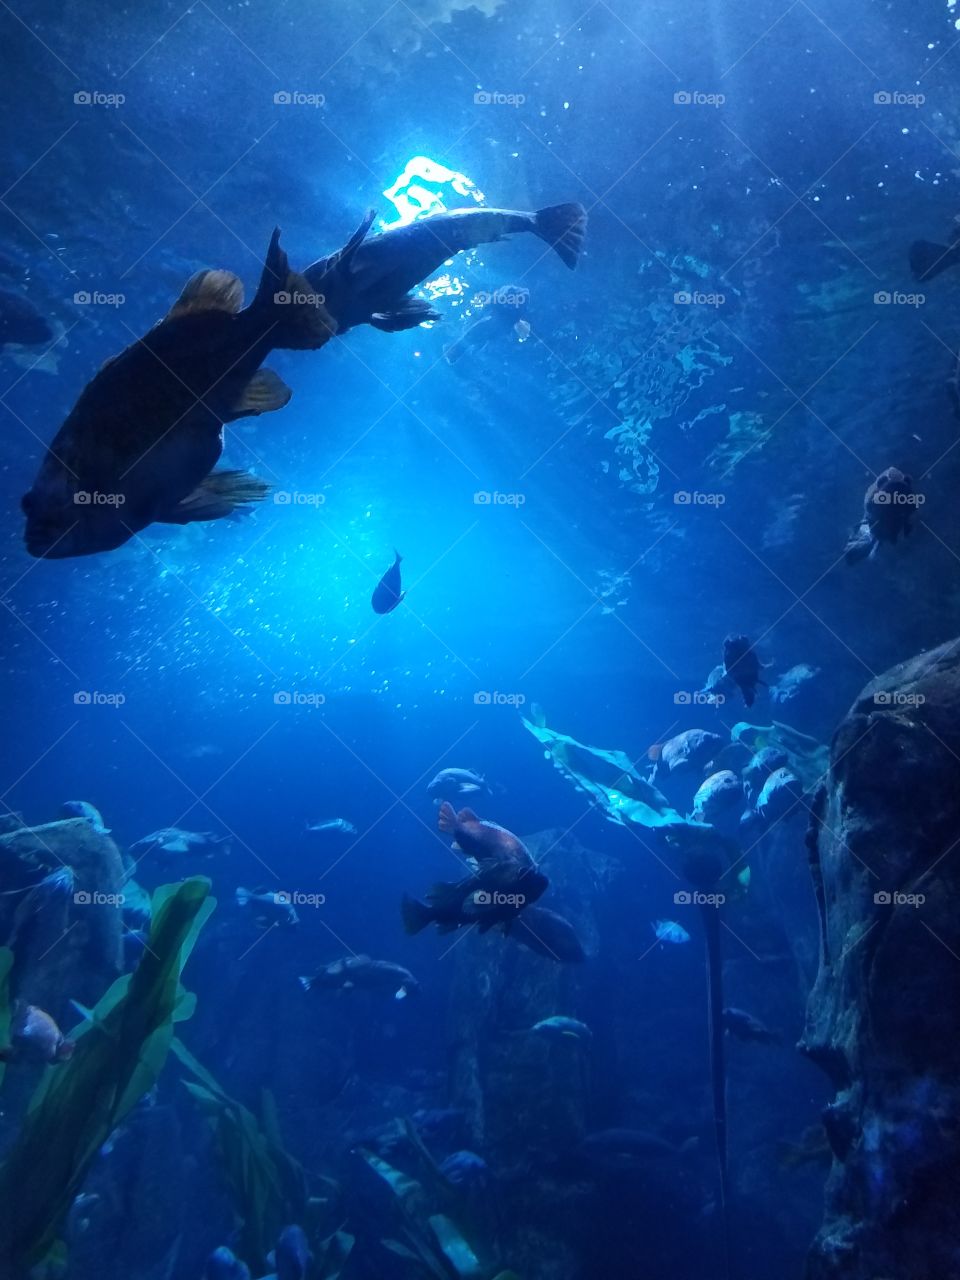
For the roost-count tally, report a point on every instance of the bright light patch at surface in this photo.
(426, 186)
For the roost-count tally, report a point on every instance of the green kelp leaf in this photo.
(120, 1051)
(809, 759)
(608, 777)
(266, 1184)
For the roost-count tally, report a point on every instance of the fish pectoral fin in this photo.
(407, 314)
(175, 846)
(221, 494)
(265, 392)
(208, 291)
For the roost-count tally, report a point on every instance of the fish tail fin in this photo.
(306, 983)
(297, 314)
(928, 259)
(243, 897)
(416, 915)
(407, 314)
(221, 493)
(447, 818)
(563, 227)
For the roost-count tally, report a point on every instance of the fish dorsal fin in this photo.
(209, 291)
(467, 815)
(349, 249)
(362, 958)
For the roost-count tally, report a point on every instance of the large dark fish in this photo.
(141, 442)
(388, 592)
(889, 506)
(371, 284)
(741, 664)
(21, 322)
(549, 935)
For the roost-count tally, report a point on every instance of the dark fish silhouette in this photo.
(141, 442)
(371, 283)
(889, 507)
(742, 665)
(389, 591)
(928, 259)
(503, 316)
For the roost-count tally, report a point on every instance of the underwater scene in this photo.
(480, 583)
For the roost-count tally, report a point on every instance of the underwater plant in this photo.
(267, 1186)
(120, 1052)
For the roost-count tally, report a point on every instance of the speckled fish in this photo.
(719, 799)
(141, 443)
(764, 762)
(781, 793)
(388, 592)
(364, 974)
(691, 749)
(371, 284)
(35, 1037)
(790, 683)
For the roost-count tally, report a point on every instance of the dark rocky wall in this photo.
(884, 1016)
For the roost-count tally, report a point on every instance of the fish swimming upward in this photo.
(371, 283)
(141, 442)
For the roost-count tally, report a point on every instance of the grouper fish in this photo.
(371, 284)
(141, 442)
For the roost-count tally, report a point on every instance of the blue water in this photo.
(232, 677)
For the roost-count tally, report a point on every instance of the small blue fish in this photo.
(670, 931)
(83, 809)
(560, 1028)
(333, 824)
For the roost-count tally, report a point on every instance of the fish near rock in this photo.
(688, 751)
(782, 793)
(141, 443)
(889, 509)
(719, 800)
(389, 591)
